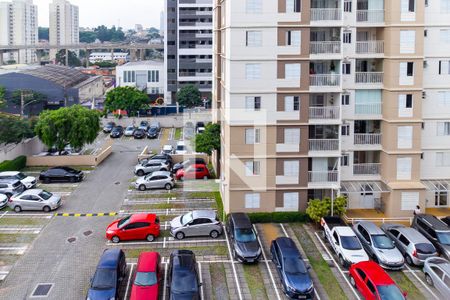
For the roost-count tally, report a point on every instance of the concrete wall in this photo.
(26, 147)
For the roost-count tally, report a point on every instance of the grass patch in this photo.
(406, 285)
(178, 132)
(320, 266)
(16, 238)
(156, 196)
(22, 221)
(199, 251)
(220, 290)
(156, 206)
(255, 281)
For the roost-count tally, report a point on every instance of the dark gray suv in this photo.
(435, 231)
(243, 238)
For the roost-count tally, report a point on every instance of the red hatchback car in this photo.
(134, 227)
(373, 282)
(147, 278)
(196, 171)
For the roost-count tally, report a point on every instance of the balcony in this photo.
(369, 77)
(369, 47)
(325, 80)
(324, 113)
(326, 14)
(366, 169)
(367, 138)
(323, 144)
(325, 47)
(368, 109)
(322, 176)
(370, 16)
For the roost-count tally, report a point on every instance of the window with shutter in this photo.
(444, 98)
(253, 71)
(292, 136)
(293, 38)
(443, 128)
(409, 200)
(404, 137)
(404, 165)
(254, 38)
(291, 168)
(407, 41)
(290, 201)
(252, 200)
(292, 71)
(444, 67)
(252, 168)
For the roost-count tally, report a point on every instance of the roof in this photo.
(143, 62)
(344, 231)
(183, 259)
(408, 185)
(60, 75)
(241, 220)
(9, 173)
(147, 262)
(443, 263)
(361, 186)
(433, 221)
(413, 235)
(143, 217)
(437, 185)
(376, 274)
(370, 227)
(163, 173)
(32, 192)
(204, 214)
(109, 258)
(287, 247)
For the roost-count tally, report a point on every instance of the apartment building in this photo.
(147, 75)
(64, 24)
(188, 45)
(325, 97)
(18, 26)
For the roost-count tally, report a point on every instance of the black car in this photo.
(153, 132)
(183, 279)
(187, 163)
(435, 230)
(292, 270)
(243, 238)
(60, 174)
(117, 132)
(139, 133)
(109, 127)
(446, 220)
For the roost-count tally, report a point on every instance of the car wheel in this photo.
(341, 261)
(17, 209)
(115, 239)
(140, 173)
(179, 235)
(214, 234)
(150, 238)
(429, 280)
(168, 186)
(409, 260)
(46, 209)
(352, 281)
(46, 180)
(142, 187)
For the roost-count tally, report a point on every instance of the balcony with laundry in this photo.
(324, 75)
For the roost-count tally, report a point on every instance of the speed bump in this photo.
(107, 214)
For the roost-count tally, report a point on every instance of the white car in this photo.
(28, 181)
(181, 148)
(167, 149)
(3, 200)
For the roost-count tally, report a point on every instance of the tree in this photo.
(126, 98)
(74, 125)
(28, 97)
(87, 36)
(14, 129)
(189, 96)
(43, 33)
(208, 140)
(73, 59)
(2, 96)
(318, 209)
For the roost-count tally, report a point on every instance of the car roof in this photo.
(9, 173)
(211, 214)
(147, 262)
(159, 173)
(344, 231)
(413, 235)
(375, 273)
(9, 180)
(167, 147)
(143, 218)
(287, 247)
(370, 227)
(241, 220)
(31, 192)
(433, 221)
(183, 259)
(441, 262)
(109, 258)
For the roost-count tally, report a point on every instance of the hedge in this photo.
(13, 165)
(278, 217)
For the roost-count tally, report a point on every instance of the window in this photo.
(292, 71)
(371, 287)
(348, 5)
(410, 69)
(444, 67)
(442, 159)
(253, 6)
(252, 200)
(406, 73)
(252, 168)
(345, 160)
(445, 6)
(408, 6)
(345, 99)
(407, 41)
(437, 271)
(346, 68)
(253, 71)
(409, 200)
(129, 76)
(347, 38)
(445, 35)
(404, 165)
(252, 136)
(291, 103)
(292, 136)
(404, 137)
(404, 240)
(405, 105)
(444, 98)
(153, 76)
(345, 130)
(443, 128)
(293, 38)
(291, 168)
(290, 201)
(252, 103)
(253, 39)
(293, 6)
(361, 273)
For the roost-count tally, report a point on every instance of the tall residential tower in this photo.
(64, 24)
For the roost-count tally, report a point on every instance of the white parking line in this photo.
(338, 267)
(165, 280)
(267, 264)
(238, 286)
(423, 283)
(201, 280)
(166, 242)
(10, 213)
(32, 230)
(129, 279)
(3, 214)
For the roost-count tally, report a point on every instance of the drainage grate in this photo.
(117, 183)
(87, 233)
(71, 239)
(42, 290)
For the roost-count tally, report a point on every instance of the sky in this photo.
(125, 13)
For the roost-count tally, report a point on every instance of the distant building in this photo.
(162, 18)
(120, 57)
(64, 24)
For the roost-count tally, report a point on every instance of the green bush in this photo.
(13, 165)
(219, 204)
(278, 217)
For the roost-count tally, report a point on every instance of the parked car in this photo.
(183, 277)
(411, 243)
(195, 171)
(151, 166)
(155, 180)
(154, 130)
(10, 187)
(167, 149)
(343, 240)
(34, 199)
(373, 282)
(139, 133)
(3, 200)
(110, 273)
(134, 227)
(143, 125)
(61, 174)
(435, 231)
(163, 156)
(437, 274)
(291, 268)
(378, 245)
(129, 131)
(148, 276)
(196, 223)
(117, 132)
(243, 239)
(446, 220)
(28, 181)
(108, 127)
(187, 163)
(181, 148)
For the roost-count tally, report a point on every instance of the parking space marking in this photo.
(267, 264)
(129, 279)
(165, 280)
(338, 267)
(14, 214)
(238, 286)
(201, 281)
(3, 214)
(423, 283)
(13, 230)
(106, 214)
(173, 241)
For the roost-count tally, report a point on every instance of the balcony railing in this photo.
(324, 47)
(325, 80)
(367, 138)
(369, 47)
(369, 77)
(323, 144)
(326, 112)
(370, 16)
(368, 109)
(326, 14)
(366, 169)
(322, 176)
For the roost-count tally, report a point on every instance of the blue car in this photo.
(111, 270)
(293, 272)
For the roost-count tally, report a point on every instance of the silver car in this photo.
(129, 131)
(3, 200)
(151, 166)
(28, 181)
(196, 223)
(378, 245)
(411, 243)
(34, 199)
(156, 180)
(10, 187)
(437, 273)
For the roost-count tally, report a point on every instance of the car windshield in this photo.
(184, 282)
(187, 218)
(350, 243)
(425, 248)
(45, 195)
(381, 241)
(390, 292)
(21, 176)
(245, 235)
(293, 265)
(124, 221)
(443, 237)
(104, 279)
(145, 278)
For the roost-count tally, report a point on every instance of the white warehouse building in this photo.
(146, 75)
(108, 56)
